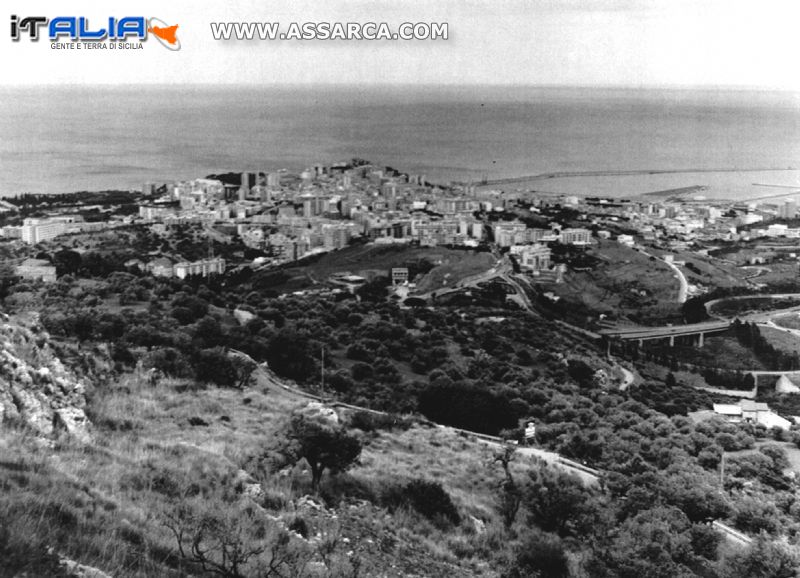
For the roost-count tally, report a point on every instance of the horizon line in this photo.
(424, 85)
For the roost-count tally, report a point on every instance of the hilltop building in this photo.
(38, 230)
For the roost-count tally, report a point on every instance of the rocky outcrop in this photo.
(76, 570)
(320, 411)
(35, 388)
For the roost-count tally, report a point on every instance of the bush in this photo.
(755, 516)
(299, 526)
(425, 497)
(467, 406)
(705, 540)
(539, 554)
(367, 421)
(20, 558)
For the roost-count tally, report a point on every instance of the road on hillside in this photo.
(683, 290)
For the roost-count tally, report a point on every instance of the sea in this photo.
(64, 139)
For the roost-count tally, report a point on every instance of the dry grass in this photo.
(780, 339)
(464, 466)
(790, 320)
(455, 266)
(101, 504)
(721, 351)
(778, 272)
(713, 272)
(607, 287)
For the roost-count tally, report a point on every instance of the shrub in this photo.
(20, 558)
(368, 421)
(705, 540)
(539, 554)
(299, 526)
(426, 497)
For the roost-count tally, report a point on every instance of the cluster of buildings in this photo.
(677, 224)
(165, 267)
(39, 230)
(33, 231)
(324, 208)
(749, 411)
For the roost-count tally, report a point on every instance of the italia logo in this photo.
(127, 28)
(164, 34)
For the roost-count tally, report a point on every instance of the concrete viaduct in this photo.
(642, 334)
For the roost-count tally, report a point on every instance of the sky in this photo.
(642, 43)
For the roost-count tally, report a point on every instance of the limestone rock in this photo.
(73, 422)
(76, 570)
(320, 411)
(35, 387)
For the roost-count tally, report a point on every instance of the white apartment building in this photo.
(38, 230)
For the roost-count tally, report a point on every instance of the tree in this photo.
(539, 555)
(510, 494)
(467, 406)
(323, 444)
(67, 262)
(764, 559)
(693, 490)
(656, 543)
(558, 502)
(580, 371)
(374, 291)
(214, 366)
(233, 540)
(289, 355)
(244, 368)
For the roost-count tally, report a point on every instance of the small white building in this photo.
(626, 240)
(751, 412)
(730, 412)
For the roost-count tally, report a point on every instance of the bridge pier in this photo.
(693, 334)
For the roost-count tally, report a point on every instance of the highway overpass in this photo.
(642, 334)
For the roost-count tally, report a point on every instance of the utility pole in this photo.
(722, 473)
(322, 368)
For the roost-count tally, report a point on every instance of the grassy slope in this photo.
(453, 268)
(363, 258)
(723, 351)
(100, 504)
(790, 320)
(607, 287)
(782, 340)
(713, 272)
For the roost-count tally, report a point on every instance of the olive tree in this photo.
(323, 444)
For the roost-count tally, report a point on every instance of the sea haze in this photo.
(55, 139)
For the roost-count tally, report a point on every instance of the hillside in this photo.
(167, 456)
(199, 460)
(107, 502)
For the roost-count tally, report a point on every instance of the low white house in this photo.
(750, 411)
